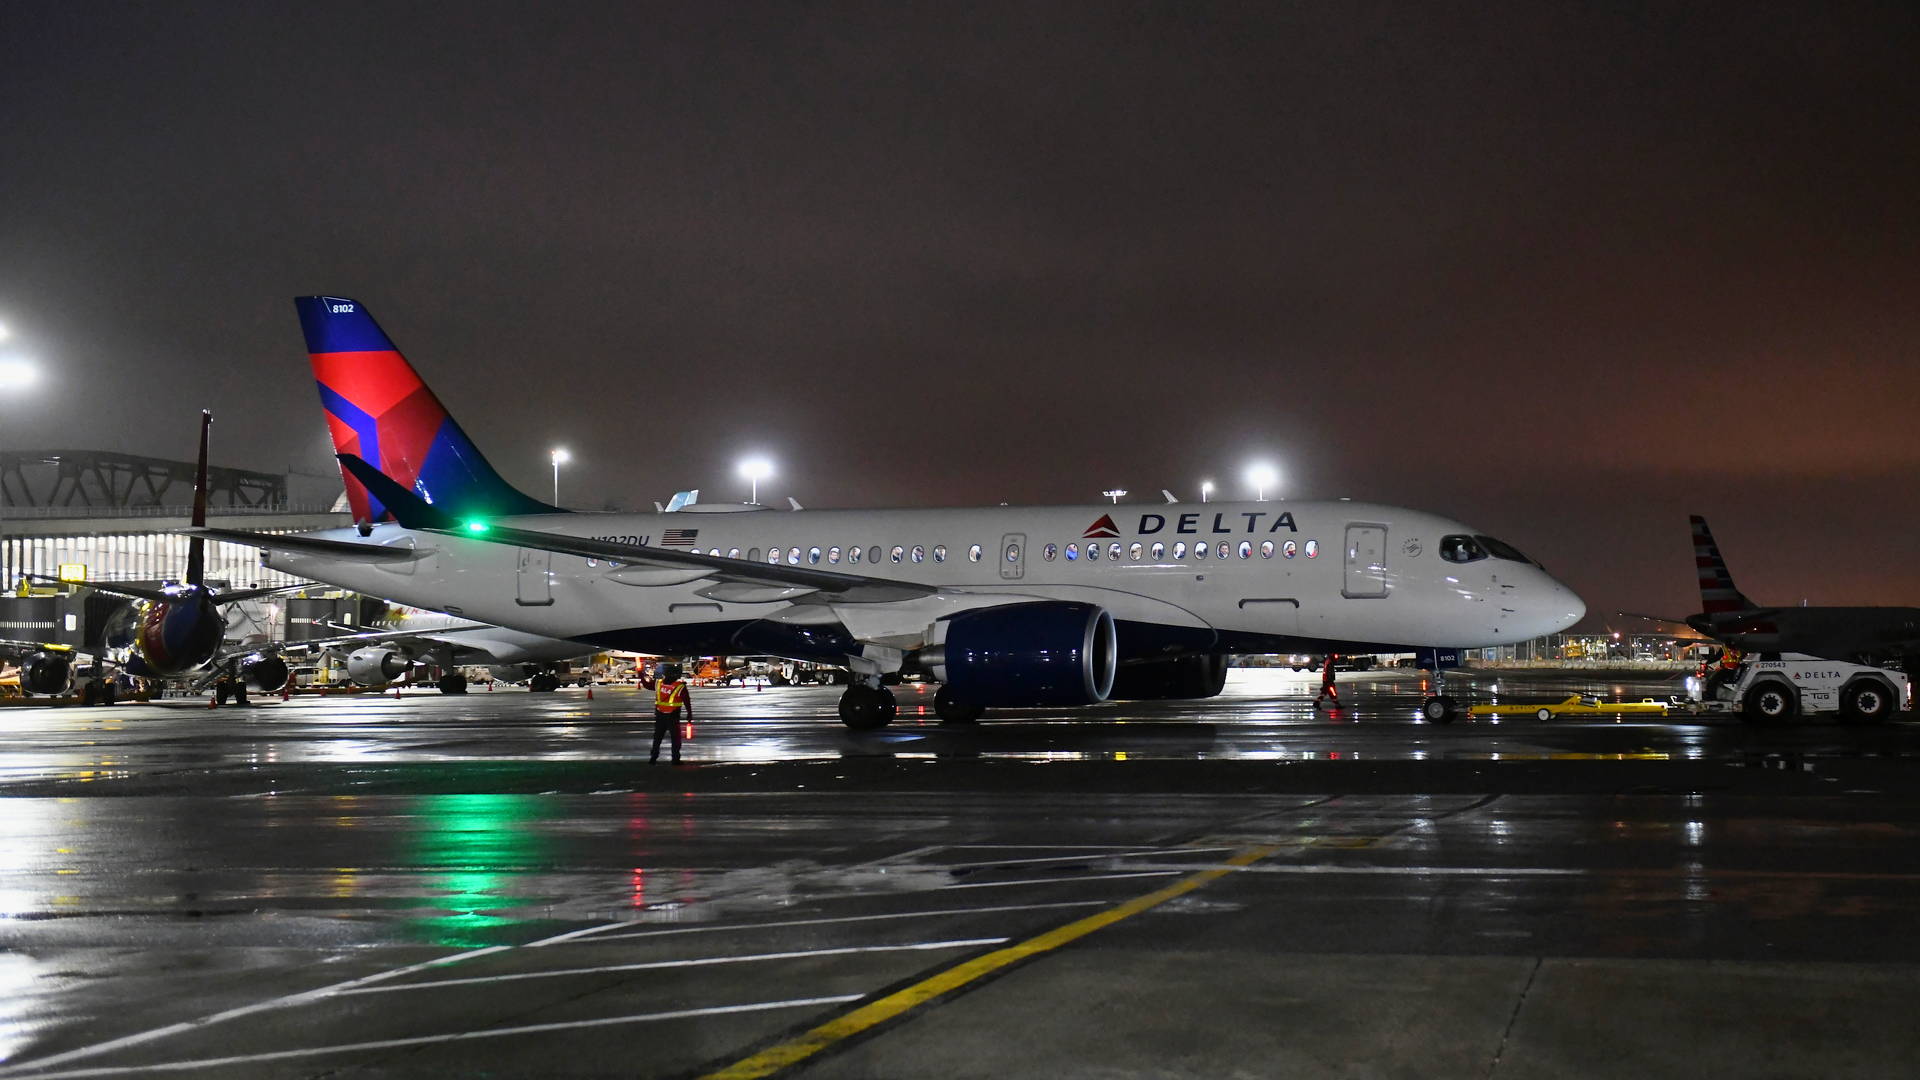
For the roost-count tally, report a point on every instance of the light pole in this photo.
(755, 470)
(1262, 476)
(16, 373)
(1115, 495)
(560, 457)
(1206, 489)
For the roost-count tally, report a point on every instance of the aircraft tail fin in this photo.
(380, 410)
(1717, 591)
(196, 547)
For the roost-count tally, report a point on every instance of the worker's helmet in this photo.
(670, 673)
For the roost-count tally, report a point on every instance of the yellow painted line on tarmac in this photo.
(792, 1052)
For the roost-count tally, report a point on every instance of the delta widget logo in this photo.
(1102, 529)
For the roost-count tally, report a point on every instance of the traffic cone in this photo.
(396, 693)
(589, 693)
(286, 691)
(213, 701)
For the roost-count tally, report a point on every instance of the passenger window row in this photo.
(854, 555)
(1156, 552)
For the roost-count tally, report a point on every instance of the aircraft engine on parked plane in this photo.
(266, 672)
(48, 673)
(1044, 653)
(373, 666)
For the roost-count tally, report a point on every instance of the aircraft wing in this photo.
(735, 580)
(313, 545)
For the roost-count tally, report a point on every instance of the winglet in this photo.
(410, 510)
(1717, 591)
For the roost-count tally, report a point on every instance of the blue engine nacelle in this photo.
(1043, 653)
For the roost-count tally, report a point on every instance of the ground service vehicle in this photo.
(1781, 686)
(1575, 706)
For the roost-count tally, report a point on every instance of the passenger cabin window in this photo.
(896, 553)
(733, 553)
(1224, 549)
(813, 556)
(973, 553)
(919, 553)
(793, 556)
(873, 554)
(1266, 549)
(1501, 550)
(1049, 552)
(1013, 553)
(1073, 552)
(1180, 549)
(1134, 551)
(1200, 551)
(773, 555)
(1246, 550)
(753, 554)
(853, 554)
(833, 555)
(939, 553)
(1461, 549)
(1159, 551)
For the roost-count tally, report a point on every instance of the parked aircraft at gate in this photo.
(1005, 606)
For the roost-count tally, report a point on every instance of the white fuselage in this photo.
(1358, 574)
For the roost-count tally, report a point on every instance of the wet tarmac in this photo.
(501, 885)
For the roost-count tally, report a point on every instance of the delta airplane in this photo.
(1004, 606)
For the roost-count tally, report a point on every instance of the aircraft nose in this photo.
(1559, 608)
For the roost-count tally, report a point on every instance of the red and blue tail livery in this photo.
(380, 410)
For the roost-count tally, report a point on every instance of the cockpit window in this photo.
(1502, 550)
(1461, 549)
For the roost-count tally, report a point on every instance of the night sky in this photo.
(1567, 272)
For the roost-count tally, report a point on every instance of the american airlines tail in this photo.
(379, 409)
(1717, 592)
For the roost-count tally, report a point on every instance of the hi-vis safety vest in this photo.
(669, 696)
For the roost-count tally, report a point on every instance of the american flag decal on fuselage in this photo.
(679, 537)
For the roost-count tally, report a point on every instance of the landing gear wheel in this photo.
(454, 683)
(865, 708)
(1544, 714)
(954, 712)
(1866, 702)
(543, 683)
(1441, 709)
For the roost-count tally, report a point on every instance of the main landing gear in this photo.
(865, 708)
(453, 683)
(955, 712)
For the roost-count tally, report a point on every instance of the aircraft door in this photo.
(1366, 562)
(534, 584)
(1013, 556)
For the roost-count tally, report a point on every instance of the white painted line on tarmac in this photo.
(244, 1010)
(457, 1036)
(1064, 880)
(731, 927)
(704, 961)
(1417, 871)
(1122, 853)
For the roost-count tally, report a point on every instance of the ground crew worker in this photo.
(1327, 689)
(669, 698)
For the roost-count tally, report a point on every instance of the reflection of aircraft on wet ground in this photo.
(170, 630)
(1006, 606)
(1866, 635)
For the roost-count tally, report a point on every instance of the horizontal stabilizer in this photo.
(410, 510)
